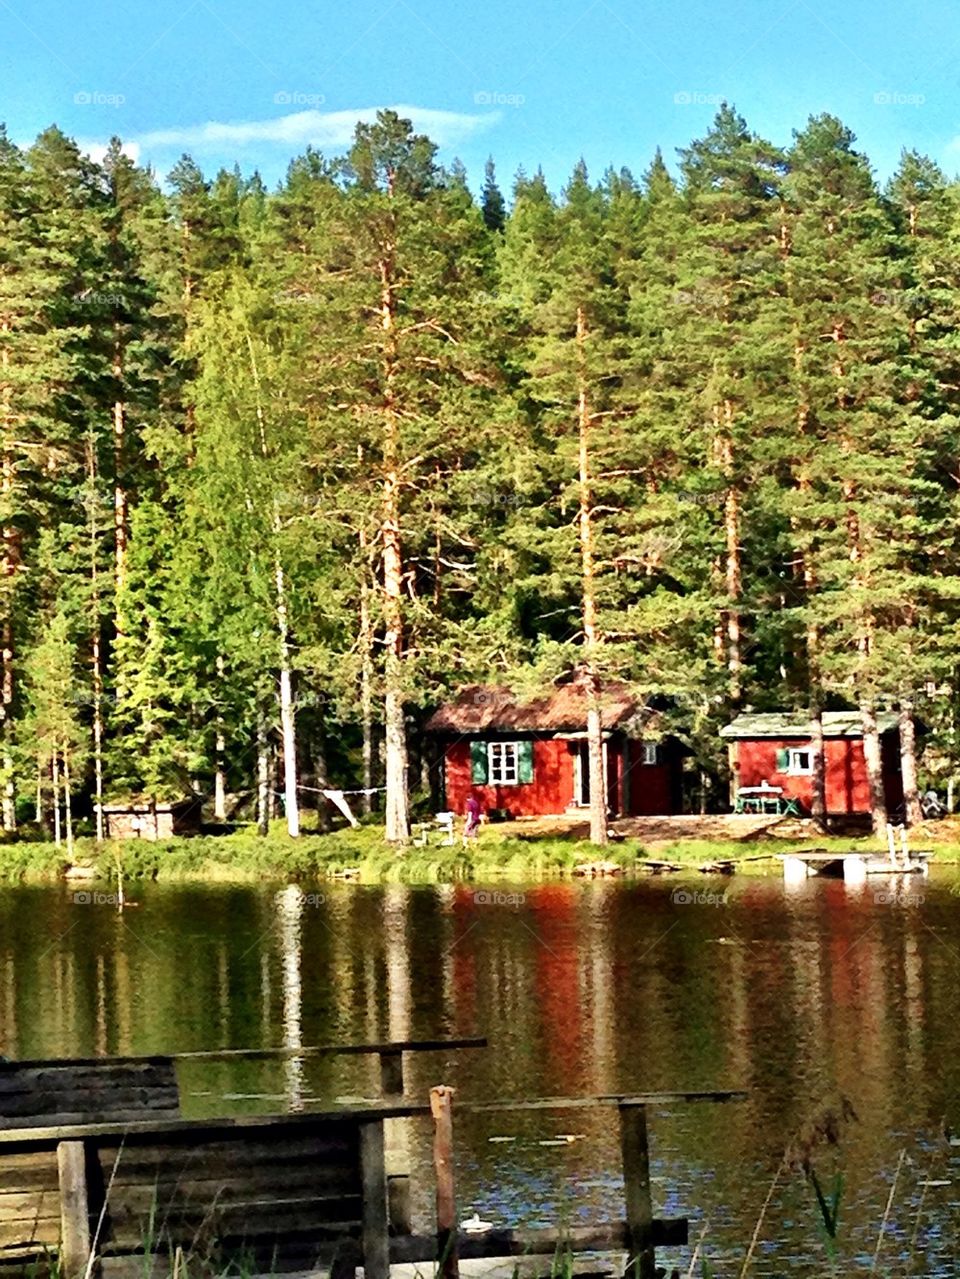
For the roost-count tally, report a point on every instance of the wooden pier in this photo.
(854, 867)
(138, 1195)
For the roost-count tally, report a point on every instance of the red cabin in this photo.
(775, 750)
(528, 757)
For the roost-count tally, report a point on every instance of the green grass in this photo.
(243, 855)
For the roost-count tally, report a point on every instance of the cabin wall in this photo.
(845, 772)
(140, 825)
(652, 789)
(551, 790)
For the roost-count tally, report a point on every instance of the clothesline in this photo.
(338, 797)
(321, 790)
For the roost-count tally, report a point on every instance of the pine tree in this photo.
(492, 203)
(399, 303)
(861, 476)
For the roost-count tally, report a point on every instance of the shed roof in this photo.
(779, 724)
(490, 708)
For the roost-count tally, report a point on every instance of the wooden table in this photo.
(765, 799)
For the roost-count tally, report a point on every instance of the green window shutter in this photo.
(525, 761)
(478, 763)
(783, 760)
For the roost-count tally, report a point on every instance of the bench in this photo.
(289, 1192)
(116, 1089)
(90, 1090)
(442, 823)
(103, 1089)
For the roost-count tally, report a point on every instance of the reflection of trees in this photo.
(290, 904)
(582, 988)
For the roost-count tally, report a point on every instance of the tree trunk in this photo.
(733, 573)
(8, 798)
(8, 572)
(96, 657)
(395, 728)
(220, 746)
(272, 785)
(55, 786)
(366, 679)
(68, 803)
(320, 773)
(119, 492)
(288, 729)
(219, 781)
(818, 797)
(874, 762)
(263, 779)
(288, 723)
(591, 637)
(908, 763)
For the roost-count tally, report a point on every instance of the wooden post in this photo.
(376, 1223)
(636, 1184)
(441, 1107)
(398, 1153)
(74, 1209)
(391, 1074)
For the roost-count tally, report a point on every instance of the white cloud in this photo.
(97, 150)
(321, 128)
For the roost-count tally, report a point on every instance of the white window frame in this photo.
(651, 754)
(794, 769)
(503, 763)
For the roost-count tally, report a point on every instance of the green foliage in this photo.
(200, 397)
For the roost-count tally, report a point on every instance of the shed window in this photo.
(510, 763)
(795, 760)
(651, 754)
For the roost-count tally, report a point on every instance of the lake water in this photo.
(795, 994)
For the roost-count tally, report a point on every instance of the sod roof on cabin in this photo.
(488, 708)
(780, 724)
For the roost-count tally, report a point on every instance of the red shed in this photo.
(527, 757)
(777, 749)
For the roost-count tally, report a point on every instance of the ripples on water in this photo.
(794, 994)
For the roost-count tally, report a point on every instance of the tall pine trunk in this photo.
(55, 788)
(873, 759)
(8, 798)
(263, 777)
(10, 553)
(220, 746)
(908, 763)
(733, 574)
(119, 489)
(818, 794)
(288, 726)
(591, 638)
(68, 801)
(288, 717)
(96, 655)
(366, 679)
(322, 783)
(395, 728)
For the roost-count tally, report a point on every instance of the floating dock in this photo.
(853, 866)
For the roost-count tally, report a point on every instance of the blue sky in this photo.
(528, 81)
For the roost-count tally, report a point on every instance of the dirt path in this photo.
(656, 831)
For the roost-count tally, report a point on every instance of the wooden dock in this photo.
(133, 1196)
(854, 866)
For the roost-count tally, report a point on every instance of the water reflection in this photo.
(795, 993)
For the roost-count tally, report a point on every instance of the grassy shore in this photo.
(243, 856)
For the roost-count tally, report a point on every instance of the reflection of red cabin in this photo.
(776, 749)
(528, 758)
